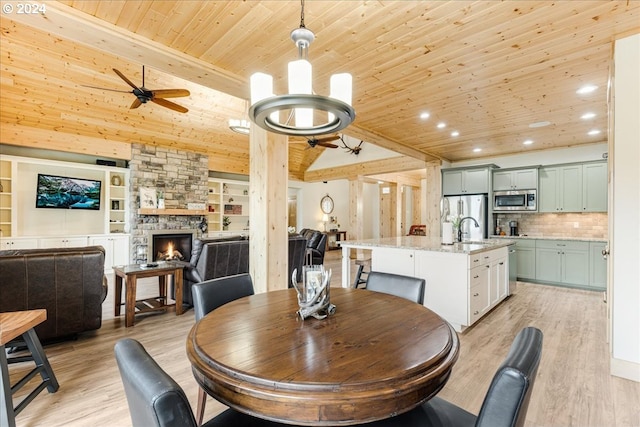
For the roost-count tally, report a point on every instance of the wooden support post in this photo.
(268, 238)
(433, 196)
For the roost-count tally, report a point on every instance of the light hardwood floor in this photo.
(573, 387)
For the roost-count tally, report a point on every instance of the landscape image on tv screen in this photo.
(60, 192)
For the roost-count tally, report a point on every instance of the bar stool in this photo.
(16, 324)
(362, 263)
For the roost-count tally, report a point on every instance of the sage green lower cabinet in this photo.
(562, 262)
(526, 259)
(597, 266)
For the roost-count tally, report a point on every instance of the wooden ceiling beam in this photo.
(374, 167)
(71, 24)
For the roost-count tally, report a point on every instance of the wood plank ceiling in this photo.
(487, 69)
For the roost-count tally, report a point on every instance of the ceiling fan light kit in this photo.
(301, 103)
(240, 126)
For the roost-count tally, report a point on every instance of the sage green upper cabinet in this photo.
(580, 187)
(560, 189)
(594, 187)
(465, 181)
(519, 179)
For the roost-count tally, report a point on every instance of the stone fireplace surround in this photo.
(183, 178)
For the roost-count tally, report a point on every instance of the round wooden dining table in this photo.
(378, 356)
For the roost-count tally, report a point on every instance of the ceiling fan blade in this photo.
(170, 93)
(169, 104)
(125, 79)
(327, 139)
(104, 88)
(136, 104)
(326, 144)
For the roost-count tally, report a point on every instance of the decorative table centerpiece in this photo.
(314, 296)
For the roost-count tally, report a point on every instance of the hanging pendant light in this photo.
(300, 106)
(241, 125)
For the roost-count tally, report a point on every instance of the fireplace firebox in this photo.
(170, 245)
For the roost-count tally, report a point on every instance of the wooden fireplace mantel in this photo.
(147, 211)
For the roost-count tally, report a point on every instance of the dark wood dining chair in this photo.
(208, 296)
(411, 288)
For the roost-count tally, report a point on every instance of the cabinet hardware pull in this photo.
(476, 294)
(475, 312)
(476, 276)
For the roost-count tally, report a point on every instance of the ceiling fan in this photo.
(323, 142)
(144, 95)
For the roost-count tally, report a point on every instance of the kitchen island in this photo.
(464, 281)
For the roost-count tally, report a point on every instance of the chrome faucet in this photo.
(460, 226)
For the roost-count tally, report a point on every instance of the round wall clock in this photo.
(326, 204)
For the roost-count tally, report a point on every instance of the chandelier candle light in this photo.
(301, 102)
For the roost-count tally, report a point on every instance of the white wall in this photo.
(310, 214)
(625, 231)
(309, 195)
(56, 222)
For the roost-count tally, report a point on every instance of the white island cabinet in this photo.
(464, 281)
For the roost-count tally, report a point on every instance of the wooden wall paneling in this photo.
(25, 136)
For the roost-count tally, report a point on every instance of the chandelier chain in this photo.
(302, 14)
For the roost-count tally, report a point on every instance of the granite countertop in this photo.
(423, 243)
(538, 237)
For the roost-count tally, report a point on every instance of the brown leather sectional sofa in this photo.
(68, 282)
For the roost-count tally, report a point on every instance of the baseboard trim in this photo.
(625, 369)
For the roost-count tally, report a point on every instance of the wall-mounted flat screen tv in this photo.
(62, 192)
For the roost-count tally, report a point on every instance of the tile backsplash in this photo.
(591, 225)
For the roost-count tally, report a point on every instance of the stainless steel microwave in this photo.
(515, 200)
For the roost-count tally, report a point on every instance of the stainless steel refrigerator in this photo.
(475, 206)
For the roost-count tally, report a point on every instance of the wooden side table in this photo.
(334, 237)
(13, 325)
(129, 275)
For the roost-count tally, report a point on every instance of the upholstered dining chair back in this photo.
(507, 399)
(211, 294)
(411, 288)
(154, 398)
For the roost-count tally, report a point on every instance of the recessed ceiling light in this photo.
(587, 116)
(528, 142)
(593, 132)
(586, 89)
(442, 125)
(424, 115)
(477, 150)
(539, 124)
(455, 133)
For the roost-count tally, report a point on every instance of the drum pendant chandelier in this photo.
(299, 107)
